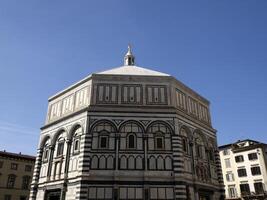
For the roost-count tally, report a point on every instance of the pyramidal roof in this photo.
(133, 70)
(129, 68)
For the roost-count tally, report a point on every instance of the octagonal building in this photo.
(127, 133)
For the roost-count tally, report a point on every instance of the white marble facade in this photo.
(127, 133)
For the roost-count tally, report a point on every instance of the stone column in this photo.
(84, 162)
(191, 146)
(117, 138)
(178, 164)
(208, 159)
(67, 159)
(50, 161)
(145, 151)
(36, 174)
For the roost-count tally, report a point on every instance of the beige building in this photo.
(244, 166)
(15, 175)
(127, 133)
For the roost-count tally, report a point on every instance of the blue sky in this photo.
(218, 48)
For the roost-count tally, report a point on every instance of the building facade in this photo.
(15, 175)
(127, 133)
(244, 169)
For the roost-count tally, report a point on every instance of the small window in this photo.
(239, 159)
(159, 143)
(60, 148)
(244, 188)
(258, 188)
(28, 168)
(26, 180)
(23, 198)
(230, 177)
(252, 156)
(14, 166)
(1, 164)
(232, 192)
(184, 143)
(242, 172)
(256, 170)
(46, 153)
(76, 144)
(103, 142)
(11, 181)
(131, 141)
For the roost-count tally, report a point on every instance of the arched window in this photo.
(131, 162)
(60, 146)
(123, 162)
(168, 163)
(26, 180)
(199, 153)
(160, 163)
(139, 162)
(211, 150)
(185, 141)
(152, 163)
(200, 144)
(103, 133)
(46, 150)
(94, 162)
(131, 141)
(159, 136)
(102, 162)
(11, 181)
(46, 153)
(131, 134)
(110, 164)
(76, 139)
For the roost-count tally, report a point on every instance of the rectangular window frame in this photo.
(60, 148)
(76, 139)
(244, 186)
(28, 168)
(255, 172)
(240, 172)
(237, 160)
(257, 189)
(100, 142)
(14, 166)
(162, 142)
(251, 156)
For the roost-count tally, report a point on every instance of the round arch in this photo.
(103, 121)
(187, 130)
(73, 129)
(44, 140)
(162, 123)
(134, 122)
(57, 134)
(199, 133)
